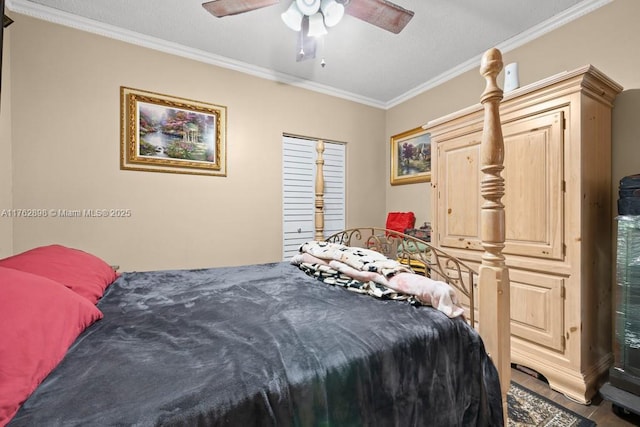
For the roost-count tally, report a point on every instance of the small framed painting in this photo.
(411, 157)
(162, 133)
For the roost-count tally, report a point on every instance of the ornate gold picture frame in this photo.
(411, 157)
(162, 133)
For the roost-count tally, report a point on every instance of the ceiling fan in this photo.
(381, 13)
(311, 17)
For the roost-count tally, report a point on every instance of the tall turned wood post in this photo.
(494, 311)
(319, 218)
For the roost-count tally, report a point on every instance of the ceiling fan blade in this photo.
(220, 8)
(381, 13)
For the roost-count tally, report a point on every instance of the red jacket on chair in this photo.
(400, 221)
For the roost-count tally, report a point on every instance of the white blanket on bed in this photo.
(365, 265)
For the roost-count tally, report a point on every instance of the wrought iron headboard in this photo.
(417, 254)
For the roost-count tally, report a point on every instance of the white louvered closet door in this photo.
(298, 180)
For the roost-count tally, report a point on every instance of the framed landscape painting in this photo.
(411, 157)
(162, 133)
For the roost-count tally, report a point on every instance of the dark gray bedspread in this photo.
(265, 345)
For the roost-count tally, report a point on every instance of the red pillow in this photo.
(39, 320)
(83, 273)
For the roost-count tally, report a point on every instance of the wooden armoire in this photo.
(559, 219)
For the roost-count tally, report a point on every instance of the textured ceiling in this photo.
(363, 62)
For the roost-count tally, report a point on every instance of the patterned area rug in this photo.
(527, 409)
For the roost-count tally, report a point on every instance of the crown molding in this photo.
(533, 33)
(56, 16)
(38, 11)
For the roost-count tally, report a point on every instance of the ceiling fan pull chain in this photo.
(301, 52)
(323, 63)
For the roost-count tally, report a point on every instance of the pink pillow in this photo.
(83, 273)
(39, 320)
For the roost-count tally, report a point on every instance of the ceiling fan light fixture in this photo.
(316, 25)
(332, 12)
(308, 7)
(292, 17)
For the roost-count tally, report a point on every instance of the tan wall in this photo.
(65, 119)
(60, 130)
(607, 38)
(6, 202)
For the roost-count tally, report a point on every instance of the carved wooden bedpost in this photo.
(319, 218)
(494, 311)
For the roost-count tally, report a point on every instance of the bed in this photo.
(259, 345)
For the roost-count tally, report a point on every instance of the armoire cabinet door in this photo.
(533, 193)
(459, 200)
(537, 308)
(534, 186)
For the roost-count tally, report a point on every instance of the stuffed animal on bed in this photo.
(428, 291)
